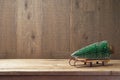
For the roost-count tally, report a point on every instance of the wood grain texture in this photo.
(59, 77)
(83, 27)
(29, 23)
(55, 67)
(7, 29)
(116, 28)
(52, 69)
(56, 28)
(95, 20)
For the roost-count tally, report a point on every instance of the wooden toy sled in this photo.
(74, 61)
(96, 53)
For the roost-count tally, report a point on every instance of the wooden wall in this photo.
(56, 28)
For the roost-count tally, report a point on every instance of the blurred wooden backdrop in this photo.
(56, 28)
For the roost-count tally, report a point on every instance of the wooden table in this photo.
(56, 69)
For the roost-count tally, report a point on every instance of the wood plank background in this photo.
(56, 28)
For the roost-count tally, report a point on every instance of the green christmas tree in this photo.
(98, 50)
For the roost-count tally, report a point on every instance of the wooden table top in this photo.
(55, 67)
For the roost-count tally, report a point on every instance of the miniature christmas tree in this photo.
(98, 50)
